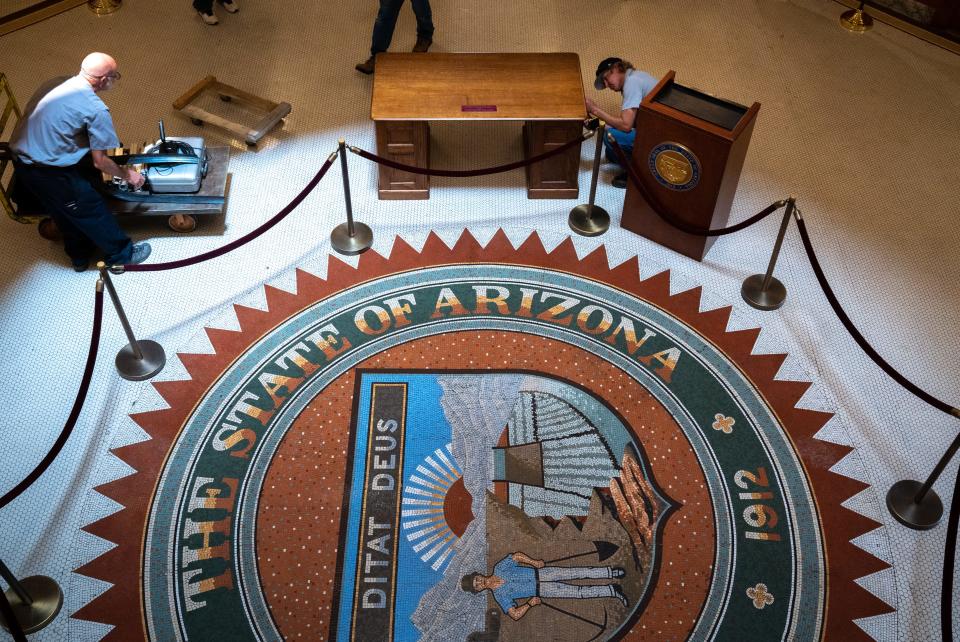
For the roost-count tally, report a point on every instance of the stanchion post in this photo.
(104, 7)
(856, 20)
(138, 360)
(916, 505)
(587, 219)
(350, 237)
(35, 600)
(765, 291)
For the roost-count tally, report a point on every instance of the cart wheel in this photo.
(183, 223)
(197, 122)
(225, 98)
(48, 229)
(252, 145)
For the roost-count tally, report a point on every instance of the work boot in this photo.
(230, 6)
(80, 265)
(208, 18)
(366, 67)
(423, 44)
(620, 180)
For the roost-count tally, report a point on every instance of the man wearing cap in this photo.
(59, 149)
(619, 75)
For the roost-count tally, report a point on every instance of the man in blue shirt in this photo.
(59, 149)
(518, 583)
(619, 75)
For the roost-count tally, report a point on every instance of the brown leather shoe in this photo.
(366, 67)
(423, 44)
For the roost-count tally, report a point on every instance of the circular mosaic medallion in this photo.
(494, 444)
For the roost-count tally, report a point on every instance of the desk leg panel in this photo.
(406, 142)
(555, 177)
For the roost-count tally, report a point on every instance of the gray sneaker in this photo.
(141, 252)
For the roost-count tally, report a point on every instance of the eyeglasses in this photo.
(113, 75)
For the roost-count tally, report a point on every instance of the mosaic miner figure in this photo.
(519, 582)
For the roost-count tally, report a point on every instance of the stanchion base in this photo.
(104, 7)
(589, 220)
(770, 299)
(134, 369)
(47, 600)
(856, 21)
(922, 516)
(342, 242)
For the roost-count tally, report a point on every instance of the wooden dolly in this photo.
(274, 111)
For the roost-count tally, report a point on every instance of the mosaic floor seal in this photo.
(482, 443)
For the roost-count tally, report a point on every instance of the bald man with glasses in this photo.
(59, 149)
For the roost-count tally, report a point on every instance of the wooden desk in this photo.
(544, 90)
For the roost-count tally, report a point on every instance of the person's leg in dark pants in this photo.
(421, 9)
(384, 25)
(79, 211)
(203, 6)
(383, 28)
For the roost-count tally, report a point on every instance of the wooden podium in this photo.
(688, 152)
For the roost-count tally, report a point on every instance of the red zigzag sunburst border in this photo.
(121, 566)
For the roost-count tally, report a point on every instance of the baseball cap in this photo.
(603, 68)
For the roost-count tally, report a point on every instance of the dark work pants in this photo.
(68, 195)
(387, 20)
(203, 6)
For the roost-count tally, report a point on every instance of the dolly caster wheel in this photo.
(197, 122)
(183, 223)
(225, 98)
(48, 229)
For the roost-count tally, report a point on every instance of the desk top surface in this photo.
(470, 86)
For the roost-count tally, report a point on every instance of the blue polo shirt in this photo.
(636, 85)
(63, 121)
(519, 583)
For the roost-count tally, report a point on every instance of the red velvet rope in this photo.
(74, 413)
(468, 172)
(681, 225)
(246, 238)
(859, 338)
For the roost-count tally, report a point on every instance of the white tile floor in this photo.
(863, 129)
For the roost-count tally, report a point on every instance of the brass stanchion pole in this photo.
(350, 237)
(138, 360)
(765, 291)
(35, 600)
(588, 219)
(856, 20)
(104, 7)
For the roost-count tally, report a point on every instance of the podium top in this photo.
(471, 86)
(716, 111)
